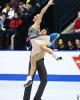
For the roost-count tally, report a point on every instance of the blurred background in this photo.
(16, 18)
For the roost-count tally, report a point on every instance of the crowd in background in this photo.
(13, 17)
(13, 20)
(68, 45)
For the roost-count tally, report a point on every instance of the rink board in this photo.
(63, 76)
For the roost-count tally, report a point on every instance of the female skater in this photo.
(39, 41)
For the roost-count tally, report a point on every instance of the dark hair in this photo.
(46, 30)
(70, 41)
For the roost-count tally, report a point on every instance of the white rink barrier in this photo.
(63, 76)
(14, 66)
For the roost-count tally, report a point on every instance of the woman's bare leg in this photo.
(50, 51)
(45, 48)
(33, 65)
(32, 71)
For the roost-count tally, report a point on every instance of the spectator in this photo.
(11, 13)
(61, 45)
(21, 9)
(6, 23)
(2, 38)
(28, 6)
(77, 24)
(77, 41)
(17, 25)
(70, 45)
(6, 9)
(15, 22)
(2, 19)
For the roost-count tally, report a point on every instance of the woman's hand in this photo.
(50, 2)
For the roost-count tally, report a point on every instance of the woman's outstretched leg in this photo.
(32, 71)
(50, 51)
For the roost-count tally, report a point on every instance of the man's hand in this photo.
(50, 2)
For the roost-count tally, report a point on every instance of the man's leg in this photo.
(27, 91)
(43, 78)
